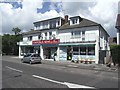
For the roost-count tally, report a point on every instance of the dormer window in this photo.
(74, 21)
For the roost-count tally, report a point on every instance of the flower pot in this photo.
(81, 61)
(90, 62)
(86, 62)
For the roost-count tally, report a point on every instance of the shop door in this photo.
(47, 52)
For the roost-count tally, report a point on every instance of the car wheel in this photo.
(22, 61)
(40, 62)
(30, 62)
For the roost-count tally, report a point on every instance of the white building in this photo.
(71, 38)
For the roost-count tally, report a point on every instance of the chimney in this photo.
(66, 18)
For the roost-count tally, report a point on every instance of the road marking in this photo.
(72, 66)
(14, 69)
(70, 85)
(47, 79)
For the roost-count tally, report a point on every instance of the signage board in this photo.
(54, 41)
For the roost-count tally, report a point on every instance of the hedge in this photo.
(115, 52)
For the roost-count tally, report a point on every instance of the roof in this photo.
(47, 19)
(31, 32)
(75, 17)
(83, 23)
(118, 22)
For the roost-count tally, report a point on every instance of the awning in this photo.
(76, 44)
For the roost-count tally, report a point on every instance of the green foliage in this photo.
(0, 44)
(115, 52)
(16, 30)
(9, 43)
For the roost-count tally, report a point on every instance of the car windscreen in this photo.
(27, 55)
(35, 55)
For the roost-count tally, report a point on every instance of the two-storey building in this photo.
(71, 38)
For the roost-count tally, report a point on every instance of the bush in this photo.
(115, 52)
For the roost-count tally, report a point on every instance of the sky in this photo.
(22, 13)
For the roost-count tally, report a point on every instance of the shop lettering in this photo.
(56, 41)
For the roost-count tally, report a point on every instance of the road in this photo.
(22, 75)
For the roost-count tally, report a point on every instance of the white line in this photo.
(47, 79)
(72, 66)
(14, 69)
(70, 85)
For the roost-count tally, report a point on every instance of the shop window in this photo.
(76, 49)
(82, 50)
(91, 50)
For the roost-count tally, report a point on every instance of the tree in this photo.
(16, 30)
(0, 44)
(9, 42)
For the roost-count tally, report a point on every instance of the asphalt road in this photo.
(22, 75)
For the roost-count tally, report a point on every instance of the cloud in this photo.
(23, 18)
(102, 12)
(119, 7)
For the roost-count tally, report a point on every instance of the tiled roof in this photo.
(47, 19)
(118, 22)
(31, 32)
(83, 23)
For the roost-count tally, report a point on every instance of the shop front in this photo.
(77, 51)
(47, 48)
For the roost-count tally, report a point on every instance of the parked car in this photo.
(31, 58)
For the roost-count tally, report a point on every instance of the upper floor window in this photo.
(45, 24)
(58, 22)
(50, 35)
(52, 24)
(45, 35)
(53, 36)
(76, 34)
(40, 37)
(83, 32)
(30, 38)
(83, 35)
(37, 25)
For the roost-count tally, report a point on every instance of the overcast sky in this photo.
(22, 14)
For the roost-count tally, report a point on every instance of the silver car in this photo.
(31, 58)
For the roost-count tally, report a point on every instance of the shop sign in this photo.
(55, 41)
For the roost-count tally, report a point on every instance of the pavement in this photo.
(97, 67)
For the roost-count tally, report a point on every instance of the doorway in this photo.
(49, 52)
